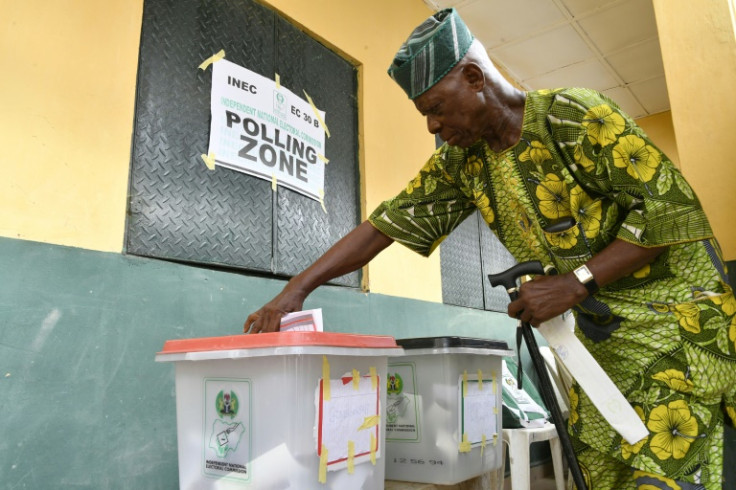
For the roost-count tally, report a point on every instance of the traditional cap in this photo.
(431, 51)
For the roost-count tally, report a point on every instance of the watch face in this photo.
(583, 274)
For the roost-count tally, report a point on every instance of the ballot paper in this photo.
(302, 321)
(606, 397)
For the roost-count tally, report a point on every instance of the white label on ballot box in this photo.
(348, 418)
(477, 409)
(227, 428)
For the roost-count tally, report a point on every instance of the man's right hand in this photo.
(268, 318)
(350, 253)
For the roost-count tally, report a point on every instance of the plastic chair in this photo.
(519, 440)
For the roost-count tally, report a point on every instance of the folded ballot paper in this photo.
(606, 397)
(302, 321)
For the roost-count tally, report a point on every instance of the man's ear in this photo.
(474, 76)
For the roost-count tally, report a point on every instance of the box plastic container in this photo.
(443, 411)
(281, 410)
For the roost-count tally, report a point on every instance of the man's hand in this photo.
(350, 253)
(268, 318)
(546, 297)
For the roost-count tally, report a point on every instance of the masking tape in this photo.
(325, 379)
(465, 445)
(373, 449)
(322, 200)
(495, 439)
(212, 59)
(209, 160)
(356, 379)
(370, 421)
(278, 81)
(482, 444)
(274, 182)
(495, 410)
(351, 455)
(323, 466)
(316, 113)
(323, 158)
(374, 378)
(480, 380)
(465, 383)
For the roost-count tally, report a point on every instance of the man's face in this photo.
(451, 107)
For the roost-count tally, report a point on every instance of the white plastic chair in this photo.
(520, 439)
(518, 442)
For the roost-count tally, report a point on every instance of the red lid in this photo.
(279, 339)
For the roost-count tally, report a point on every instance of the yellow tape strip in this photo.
(495, 439)
(316, 113)
(323, 158)
(480, 380)
(495, 410)
(482, 445)
(323, 466)
(465, 445)
(209, 160)
(465, 383)
(356, 379)
(212, 59)
(322, 199)
(373, 449)
(351, 455)
(274, 182)
(278, 81)
(325, 379)
(370, 421)
(374, 378)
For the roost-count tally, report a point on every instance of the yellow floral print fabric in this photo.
(665, 334)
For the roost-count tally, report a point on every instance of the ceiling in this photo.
(608, 45)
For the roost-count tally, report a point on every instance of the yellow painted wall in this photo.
(699, 55)
(660, 130)
(66, 98)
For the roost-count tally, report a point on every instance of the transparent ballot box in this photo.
(281, 410)
(443, 409)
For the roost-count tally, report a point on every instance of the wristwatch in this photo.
(586, 279)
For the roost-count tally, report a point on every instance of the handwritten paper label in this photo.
(350, 415)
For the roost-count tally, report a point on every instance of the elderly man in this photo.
(564, 177)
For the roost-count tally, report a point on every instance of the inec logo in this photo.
(226, 404)
(395, 384)
(280, 104)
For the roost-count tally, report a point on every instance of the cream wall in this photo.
(699, 54)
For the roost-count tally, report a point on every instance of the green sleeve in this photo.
(611, 156)
(429, 208)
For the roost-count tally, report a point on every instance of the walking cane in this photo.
(507, 279)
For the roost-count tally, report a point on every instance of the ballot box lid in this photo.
(278, 343)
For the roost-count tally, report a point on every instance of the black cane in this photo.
(507, 279)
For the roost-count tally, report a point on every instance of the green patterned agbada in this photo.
(666, 334)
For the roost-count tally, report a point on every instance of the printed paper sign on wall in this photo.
(266, 130)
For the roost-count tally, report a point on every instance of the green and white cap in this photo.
(430, 52)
